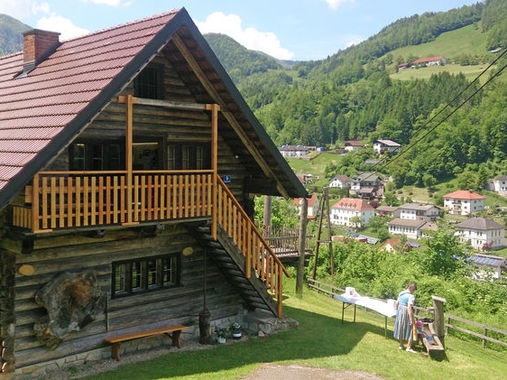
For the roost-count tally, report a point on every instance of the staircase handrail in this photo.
(252, 225)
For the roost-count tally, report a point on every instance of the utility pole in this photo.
(301, 248)
(324, 203)
(266, 229)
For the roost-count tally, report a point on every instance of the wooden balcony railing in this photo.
(258, 254)
(62, 200)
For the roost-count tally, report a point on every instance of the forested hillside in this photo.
(351, 96)
(11, 38)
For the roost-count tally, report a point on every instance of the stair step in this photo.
(224, 259)
(234, 272)
(204, 229)
(206, 237)
(213, 244)
(259, 305)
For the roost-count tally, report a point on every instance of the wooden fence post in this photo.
(301, 248)
(439, 322)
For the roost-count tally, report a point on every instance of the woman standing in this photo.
(405, 317)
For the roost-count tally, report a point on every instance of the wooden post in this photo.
(214, 108)
(267, 215)
(321, 208)
(35, 203)
(129, 137)
(301, 248)
(7, 314)
(439, 322)
(330, 243)
(484, 340)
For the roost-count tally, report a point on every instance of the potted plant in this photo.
(236, 330)
(221, 335)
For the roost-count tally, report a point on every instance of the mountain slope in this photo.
(238, 60)
(11, 38)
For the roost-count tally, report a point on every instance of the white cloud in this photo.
(40, 8)
(112, 3)
(62, 25)
(22, 9)
(251, 38)
(334, 4)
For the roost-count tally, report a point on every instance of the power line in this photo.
(407, 148)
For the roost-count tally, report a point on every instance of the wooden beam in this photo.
(208, 86)
(214, 108)
(163, 103)
(129, 154)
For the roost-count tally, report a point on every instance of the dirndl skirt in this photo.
(402, 328)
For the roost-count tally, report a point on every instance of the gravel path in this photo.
(273, 371)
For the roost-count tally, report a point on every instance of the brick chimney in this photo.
(37, 45)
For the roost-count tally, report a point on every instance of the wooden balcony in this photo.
(64, 200)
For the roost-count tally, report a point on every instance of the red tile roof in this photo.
(311, 201)
(353, 204)
(353, 143)
(464, 194)
(36, 108)
(428, 59)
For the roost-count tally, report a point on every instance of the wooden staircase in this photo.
(232, 264)
(241, 252)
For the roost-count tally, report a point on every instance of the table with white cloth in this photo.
(351, 297)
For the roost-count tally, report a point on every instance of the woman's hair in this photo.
(412, 286)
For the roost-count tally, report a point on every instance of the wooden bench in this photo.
(173, 331)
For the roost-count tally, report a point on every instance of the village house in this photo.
(313, 206)
(393, 245)
(383, 146)
(346, 209)
(366, 185)
(429, 61)
(340, 181)
(482, 233)
(296, 151)
(391, 211)
(463, 202)
(129, 163)
(353, 145)
(488, 266)
(413, 211)
(499, 185)
(412, 229)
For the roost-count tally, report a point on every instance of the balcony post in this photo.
(130, 101)
(35, 203)
(214, 108)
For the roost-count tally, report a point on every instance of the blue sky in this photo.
(286, 29)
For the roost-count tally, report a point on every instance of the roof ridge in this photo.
(154, 17)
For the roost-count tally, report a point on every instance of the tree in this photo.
(444, 254)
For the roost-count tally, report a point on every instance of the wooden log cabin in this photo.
(129, 153)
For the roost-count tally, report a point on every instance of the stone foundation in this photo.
(253, 323)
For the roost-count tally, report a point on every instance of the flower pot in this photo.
(221, 340)
(236, 334)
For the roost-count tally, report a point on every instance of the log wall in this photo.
(53, 255)
(170, 125)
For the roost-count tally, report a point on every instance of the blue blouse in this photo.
(406, 298)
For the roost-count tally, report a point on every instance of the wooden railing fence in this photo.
(422, 312)
(258, 254)
(80, 199)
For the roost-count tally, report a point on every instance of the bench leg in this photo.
(115, 351)
(176, 338)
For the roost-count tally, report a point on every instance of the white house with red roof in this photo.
(347, 208)
(463, 202)
(353, 145)
(313, 205)
(430, 61)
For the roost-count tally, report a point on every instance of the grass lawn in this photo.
(467, 40)
(501, 252)
(315, 166)
(470, 72)
(323, 341)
